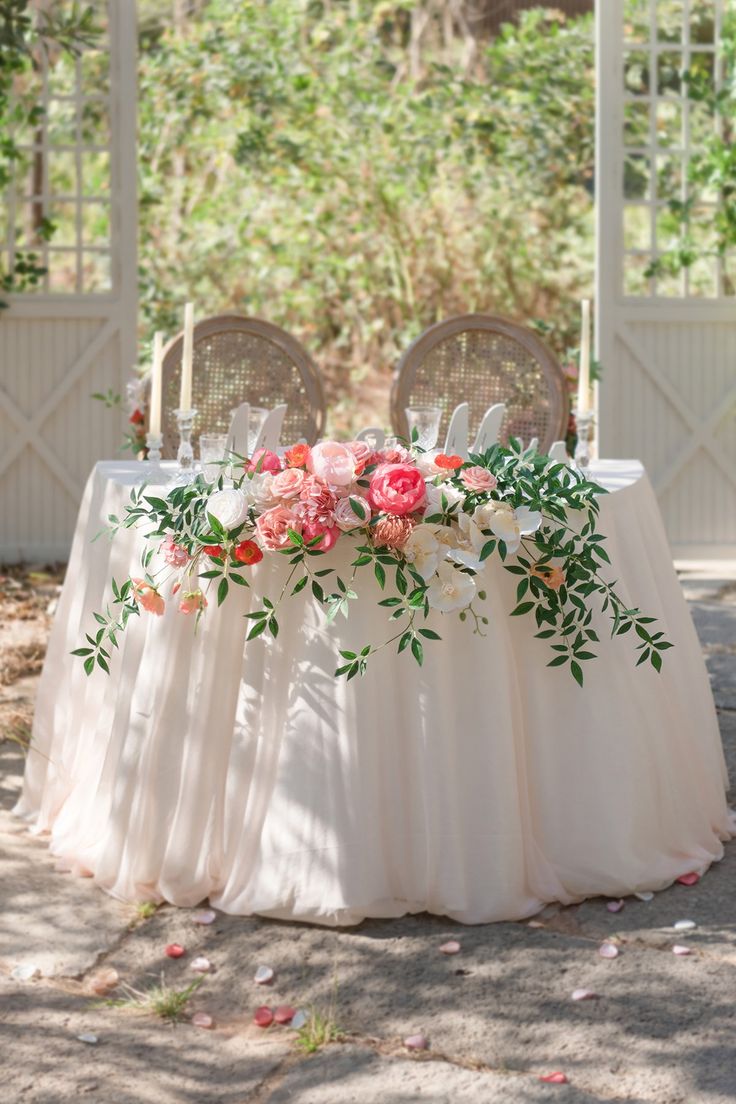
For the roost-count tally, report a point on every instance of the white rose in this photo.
(450, 589)
(346, 518)
(229, 507)
(259, 490)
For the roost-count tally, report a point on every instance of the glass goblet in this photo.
(212, 447)
(424, 425)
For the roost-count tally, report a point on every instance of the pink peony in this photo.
(346, 518)
(329, 535)
(174, 554)
(391, 531)
(317, 501)
(288, 483)
(362, 454)
(148, 597)
(273, 527)
(478, 479)
(263, 460)
(332, 462)
(192, 602)
(397, 489)
(392, 454)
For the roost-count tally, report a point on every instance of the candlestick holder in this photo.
(185, 453)
(154, 441)
(584, 421)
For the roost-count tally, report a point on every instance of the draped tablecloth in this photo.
(480, 786)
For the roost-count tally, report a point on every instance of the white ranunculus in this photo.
(229, 506)
(434, 497)
(259, 490)
(507, 524)
(422, 550)
(450, 589)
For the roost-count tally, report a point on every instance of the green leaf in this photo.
(358, 508)
(273, 626)
(558, 661)
(89, 665)
(430, 634)
(222, 590)
(577, 672)
(301, 584)
(487, 549)
(656, 660)
(257, 629)
(417, 651)
(317, 591)
(380, 575)
(524, 607)
(81, 652)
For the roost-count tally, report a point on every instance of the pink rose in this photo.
(174, 554)
(361, 454)
(263, 460)
(478, 479)
(288, 483)
(397, 489)
(346, 518)
(192, 602)
(147, 597)
(317, 501)
(273, 527)
(332, 462)
(329, 535)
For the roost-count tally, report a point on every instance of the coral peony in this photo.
(248, 552)
(478, 479)
(297, 456)
(148, 597)
(397, 489)
(214, 550)
(273, 527)
(263, 460)
(391, 531)
(332, 462)
(193, 602)
(391, 454)
(362, 454)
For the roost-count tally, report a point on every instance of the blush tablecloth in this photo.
(481, 786)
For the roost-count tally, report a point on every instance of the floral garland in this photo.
(425, 524)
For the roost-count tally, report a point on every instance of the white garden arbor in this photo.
(667, 345)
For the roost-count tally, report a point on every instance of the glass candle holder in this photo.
(154, 441)
(185, 453)
(584, 422)
(424, 425)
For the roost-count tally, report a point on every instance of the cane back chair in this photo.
(236, 360)
(482, 359)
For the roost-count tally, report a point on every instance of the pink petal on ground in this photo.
(452, 947)
(284, 1014)
(200, 965)
(614, 906)
(608, 950)
(263, 1016)
(207, 916)
(689, 879)
(103, 981)
(263, 975)
(584, 994)
(416, 1042)
(202, 1019)
(174, 950)
(555, 1078)
(678, 949)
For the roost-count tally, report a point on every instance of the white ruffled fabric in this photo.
(481, 786)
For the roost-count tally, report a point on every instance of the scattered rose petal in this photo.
(556, 1078)
(689, 879)
(646, 896)
(299, 1019)
(87, 1038)
(614, 906)
(535, 924)
(284, 1014)
(202, 1019)
(103, 982)
(174, 950)
(25, 972)
(263, 975)
(678, 949)
(584, 994)
(451, 947)
(416, 1042)
(263, 1016)
(205, 917)
(684, 925)
(608, 950)
(200, 965)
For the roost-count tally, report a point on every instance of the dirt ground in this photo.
(497, 1016)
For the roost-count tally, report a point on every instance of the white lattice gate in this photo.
(666, 333)
(76, 334)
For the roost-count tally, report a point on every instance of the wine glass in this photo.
(424, 425)
(212, 447)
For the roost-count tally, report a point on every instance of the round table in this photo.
(480, 786)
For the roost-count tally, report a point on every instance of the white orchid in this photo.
(450, 589)
(506, 523)
(435, 495)
(422, 550)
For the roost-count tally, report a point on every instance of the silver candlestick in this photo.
(584, 421)
(185, 453)
(154, 441)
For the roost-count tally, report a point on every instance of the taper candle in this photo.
(185, 397)
(584, 368)
(154, 418)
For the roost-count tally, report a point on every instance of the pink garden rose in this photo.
(392, 454)
(478, 479)
(263, 460)
(362, 454)
(332, 462)
(273, 527)
(346, 518)
(288, 483)
(147, 597)
(397, 489)
(329, 535)
(192, 602)
(317, 501)
(174, 554)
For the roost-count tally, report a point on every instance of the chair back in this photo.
(483, 360)
(236, 360)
